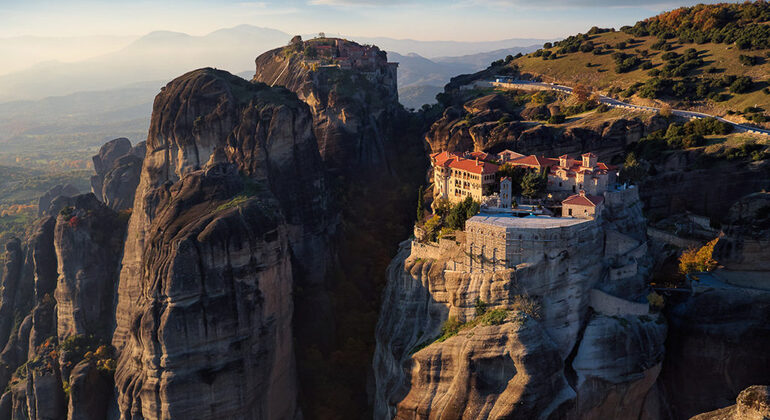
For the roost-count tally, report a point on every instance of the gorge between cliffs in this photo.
(256, 257)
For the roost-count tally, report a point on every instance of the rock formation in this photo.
(231, 214)
(723, 324)
(571, 358)
(117, 168)
(354, 106)
(753, 403)
(492, 123)
(47, 199)
(81, 246)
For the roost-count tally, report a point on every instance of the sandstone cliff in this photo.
(354, 109)
(558, 352)
(117, 168)
(231, 214)
(74, 257)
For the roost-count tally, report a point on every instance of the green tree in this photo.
(533, 184)
(420, 209)
(632, 171)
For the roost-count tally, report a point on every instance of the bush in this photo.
(661, 45)
(449, 328)
(494, 317)
(697, 260)
(748, 60)
(741, 85)
(481, 307)
(556, 119)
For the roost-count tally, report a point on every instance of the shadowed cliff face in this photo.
(353, 111)
(231, 213)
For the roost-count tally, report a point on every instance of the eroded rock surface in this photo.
(353, 111)
(556, 355)
(231, 212)
(117, 168)
(753, 403)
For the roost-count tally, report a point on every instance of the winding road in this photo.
(530, 85)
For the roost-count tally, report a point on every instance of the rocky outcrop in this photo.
(682, 184)
(491, 123)
(45, 201)
(117, 168)
(231, 214)
(745, 245)
(88, 242)
(553, 355)
(354, 109)
(726, 329)
(753, 403)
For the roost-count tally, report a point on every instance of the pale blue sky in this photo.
(472, 20)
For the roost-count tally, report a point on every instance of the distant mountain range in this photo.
(65, 102)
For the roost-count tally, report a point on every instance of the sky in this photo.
(469, 20)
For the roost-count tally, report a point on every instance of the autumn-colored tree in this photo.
(581, 92)
(698, 260)
(665, 111)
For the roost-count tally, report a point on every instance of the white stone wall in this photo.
(607, 304)
(493, 247)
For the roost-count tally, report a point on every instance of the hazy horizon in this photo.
(428, 20)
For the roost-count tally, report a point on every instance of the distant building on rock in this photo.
(571, 175)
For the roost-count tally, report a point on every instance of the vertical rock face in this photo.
(117, 168)
(352, 108)
(82, 247)
(231, 210)
(88, 241)
(558, 353)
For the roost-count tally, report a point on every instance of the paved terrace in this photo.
(537, 222)
(530, 85)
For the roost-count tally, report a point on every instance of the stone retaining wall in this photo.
(606, 304)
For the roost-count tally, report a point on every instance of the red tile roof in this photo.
(535, 161)
(450, 160)
(583, 199)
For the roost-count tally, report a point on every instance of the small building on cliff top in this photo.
(582, 205)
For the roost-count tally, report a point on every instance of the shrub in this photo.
(741, 85)
(494, 317)
(556, 119)
(449, 328)
(527, 305)
(748, 60)
(697, 260)
(481, 307)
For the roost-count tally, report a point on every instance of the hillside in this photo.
(712, 58)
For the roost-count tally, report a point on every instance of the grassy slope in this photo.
(571, 68)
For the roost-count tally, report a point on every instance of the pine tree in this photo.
(420, 209)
